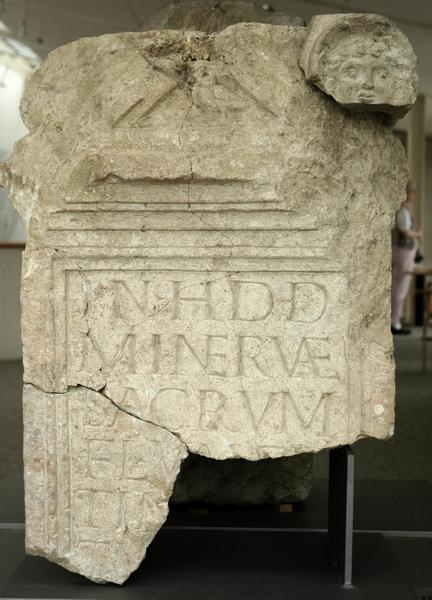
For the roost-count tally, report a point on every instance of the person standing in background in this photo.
(404, 248)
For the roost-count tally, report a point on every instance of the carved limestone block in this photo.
(363, 61)
(207, 270)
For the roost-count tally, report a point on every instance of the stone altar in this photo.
(208, 271)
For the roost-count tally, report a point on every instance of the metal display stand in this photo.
(341, 510)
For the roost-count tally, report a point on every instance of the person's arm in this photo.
(411, 233)
(404, 221)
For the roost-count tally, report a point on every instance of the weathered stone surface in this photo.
(96, 482)
(363, 61)
(209, 248)
(289, 478)
(239, 481)
(211, 16)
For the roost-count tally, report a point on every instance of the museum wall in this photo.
(10, 272)
(11, 129)
(11, 126)
(427, 240)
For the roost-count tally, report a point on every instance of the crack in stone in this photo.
(102, 392)
(104, 395)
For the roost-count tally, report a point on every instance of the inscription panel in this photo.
(250, 358)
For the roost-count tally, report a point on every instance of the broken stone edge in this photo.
(45, 498)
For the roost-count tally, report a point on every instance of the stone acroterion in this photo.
(363, 61)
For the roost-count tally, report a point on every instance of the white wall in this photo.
(11, 125)
(426, 242)
(11, 129)
(10, 311)
(11, 226)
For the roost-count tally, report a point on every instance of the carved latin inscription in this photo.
(213, 354)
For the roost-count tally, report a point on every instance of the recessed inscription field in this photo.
(261, 353)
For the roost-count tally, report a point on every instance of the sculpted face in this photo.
(363, 61)
(362, 73)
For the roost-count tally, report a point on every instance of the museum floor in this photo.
(261, 553)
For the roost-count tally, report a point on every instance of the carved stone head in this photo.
(363, 61)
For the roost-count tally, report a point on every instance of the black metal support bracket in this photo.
(341, 510)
